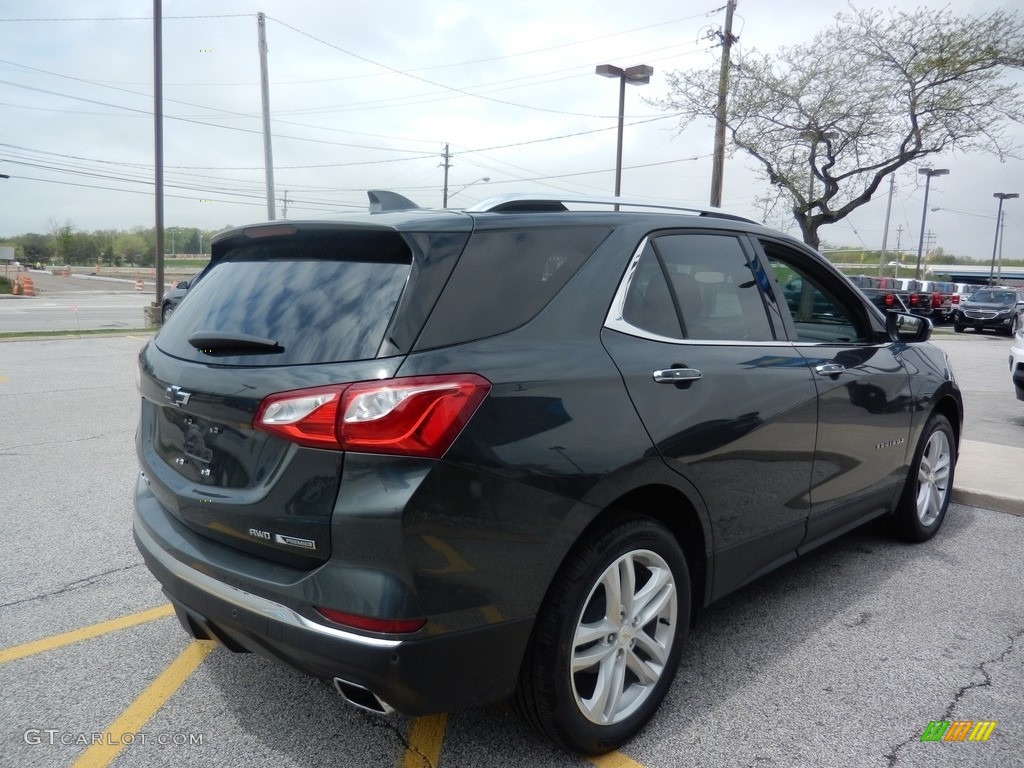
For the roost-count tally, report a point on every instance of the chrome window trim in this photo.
(247, 601)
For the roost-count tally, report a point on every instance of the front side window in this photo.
(820, 311)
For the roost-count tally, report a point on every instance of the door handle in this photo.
(677, 375)
(829, 369)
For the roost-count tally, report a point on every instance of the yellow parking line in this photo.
(144, 707)
(614, 760)
(85, 633)
(426, 735)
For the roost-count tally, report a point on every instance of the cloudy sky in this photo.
(367, 95)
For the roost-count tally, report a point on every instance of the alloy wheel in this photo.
(933, 478)
(623, 637)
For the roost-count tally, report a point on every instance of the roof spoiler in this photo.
(381, 200)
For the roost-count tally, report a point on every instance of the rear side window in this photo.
(703, 280)
(504, 278)
(322, 297)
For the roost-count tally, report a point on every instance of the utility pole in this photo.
(284, 213)
(158, 142)
(718, 161)
(929, 246)
(268, 152)
(446, 165)
(885, 230)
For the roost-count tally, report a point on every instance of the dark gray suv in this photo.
(442, 458)
(1001, 309)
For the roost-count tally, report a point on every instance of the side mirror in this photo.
(182, 284)
(907, 328)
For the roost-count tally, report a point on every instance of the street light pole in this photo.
(635, 75)
(999, 215)
(928, 173)
(465, 187)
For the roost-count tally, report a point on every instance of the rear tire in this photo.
(608, 637)
(925, 499)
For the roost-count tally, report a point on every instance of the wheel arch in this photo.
(948, 407)
(673, 509)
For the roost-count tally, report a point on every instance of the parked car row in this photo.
(966, 305)
(924, 298)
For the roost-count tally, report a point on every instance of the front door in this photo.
(864, 394)
(726, 405)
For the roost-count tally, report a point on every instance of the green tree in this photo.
(191, 242)
(63, 239)
(828, 121)
(35, 248)
(130, 247)
(84, 249)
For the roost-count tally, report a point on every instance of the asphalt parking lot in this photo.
(840, 659)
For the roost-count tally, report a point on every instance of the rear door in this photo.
(726, 404)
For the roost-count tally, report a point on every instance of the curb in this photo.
(988, 501)
(987, 476)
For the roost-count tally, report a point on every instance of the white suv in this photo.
(1017, 361)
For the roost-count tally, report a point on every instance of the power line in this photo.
(432, 82)
(175, 101)
(137, 18)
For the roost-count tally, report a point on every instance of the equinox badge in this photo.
(177, 396)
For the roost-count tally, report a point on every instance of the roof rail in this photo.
(522, 203)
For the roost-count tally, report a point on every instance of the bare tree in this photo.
(874, 92)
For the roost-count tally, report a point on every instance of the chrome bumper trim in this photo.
(250, 602)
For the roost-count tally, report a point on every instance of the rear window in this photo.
(322, 297)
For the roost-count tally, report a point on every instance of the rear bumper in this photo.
(417, 675)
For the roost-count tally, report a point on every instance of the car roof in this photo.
(389, 211)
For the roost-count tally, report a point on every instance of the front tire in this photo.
(958, 328)
(608, 637)
(929, 486)
(165, 315)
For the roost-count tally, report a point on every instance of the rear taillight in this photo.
(412, 416)
(936, 300)
(915, 299)
(956, 298)
(889, 300)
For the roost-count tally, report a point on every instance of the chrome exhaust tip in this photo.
(361, 697)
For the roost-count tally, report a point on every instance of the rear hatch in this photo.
(280, 308)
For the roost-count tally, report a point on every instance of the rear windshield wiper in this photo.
(215, 343)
